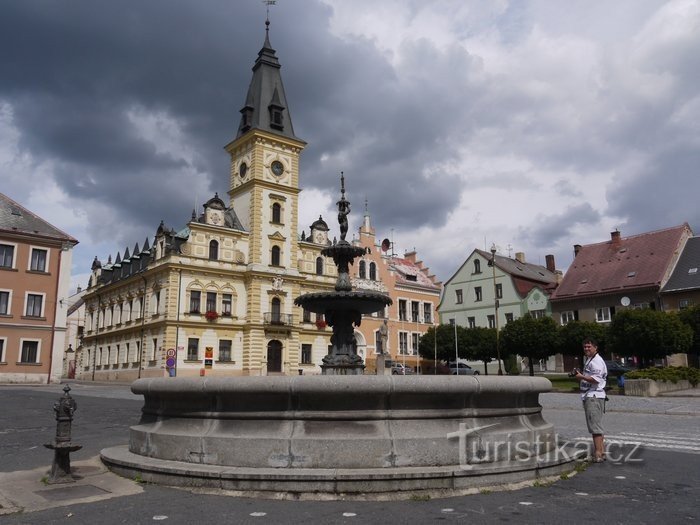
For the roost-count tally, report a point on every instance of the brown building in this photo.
(35, 262)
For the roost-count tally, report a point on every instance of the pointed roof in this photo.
(266, 92)
(622, 264)
(15, 218)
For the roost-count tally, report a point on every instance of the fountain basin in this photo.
(340, 434)
(359, 301)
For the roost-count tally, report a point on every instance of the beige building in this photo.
(35, 263)
(217, 296)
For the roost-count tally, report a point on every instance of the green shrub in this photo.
(671, 374)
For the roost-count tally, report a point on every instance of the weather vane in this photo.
(268, 3)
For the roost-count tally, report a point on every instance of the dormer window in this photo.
(247, 118)
(276, 118)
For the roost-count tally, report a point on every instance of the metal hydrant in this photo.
(62, 446)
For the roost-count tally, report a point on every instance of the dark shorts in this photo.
(594, 408)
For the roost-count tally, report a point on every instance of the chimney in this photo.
(520, 257)
(550, 263)
(615, 237)
(577, 248)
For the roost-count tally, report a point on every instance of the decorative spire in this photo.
(265, 106)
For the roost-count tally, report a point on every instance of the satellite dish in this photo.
(386, 244)
(625, 301)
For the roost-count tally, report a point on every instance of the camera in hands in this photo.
(574, 372)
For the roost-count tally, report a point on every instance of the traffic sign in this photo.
(170, 362)
(170, 352)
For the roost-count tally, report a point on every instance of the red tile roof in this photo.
(639, 261)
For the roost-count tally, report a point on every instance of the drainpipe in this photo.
(177, 321)
(55, 312)
(97, 330)
(143, 320)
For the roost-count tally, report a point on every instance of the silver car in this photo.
(401, 369)
(462, 369)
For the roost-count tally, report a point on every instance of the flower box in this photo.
(211, 315)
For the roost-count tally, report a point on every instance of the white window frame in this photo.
(566, 317)
(600, 314)
(428, 309)
(22, 340)
(43, 302)
(3, 349)
(31, 255)
(9, 301)
(403, 338)
(459, 296)
(538, 314)
(13, 265)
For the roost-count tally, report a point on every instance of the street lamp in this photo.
(495, 306)
(454, 323)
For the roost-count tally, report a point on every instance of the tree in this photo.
(572, 334)
(531, 338)
(691, 317)
(445, 334)
(648, 334)
(481, 345)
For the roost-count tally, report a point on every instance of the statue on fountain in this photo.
(344, 307)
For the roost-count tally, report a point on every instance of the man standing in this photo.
(592, 384)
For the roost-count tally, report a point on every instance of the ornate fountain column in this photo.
(343, 309)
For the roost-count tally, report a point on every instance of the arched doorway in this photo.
(274, 356)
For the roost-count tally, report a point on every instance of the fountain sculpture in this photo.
(343, 434)
(344, 307)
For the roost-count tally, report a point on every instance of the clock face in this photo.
(318, 238)
(243, 169)
(215, 218)
(277, 168)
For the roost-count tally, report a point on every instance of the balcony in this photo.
(277, 319)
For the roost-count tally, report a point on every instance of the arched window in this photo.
(477, 266)
(363, 270)
(213, 250)
(276, 310)
(275, 256)
(372, 271)
(319, 265)
(276, 213)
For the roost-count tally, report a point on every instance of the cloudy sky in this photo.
(534, 125)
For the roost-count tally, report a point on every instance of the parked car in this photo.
(401, 369)
(616, 369)
(462, 369)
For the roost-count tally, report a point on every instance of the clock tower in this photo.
(264, 177)
(264, 191)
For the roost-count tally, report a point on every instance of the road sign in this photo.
(170, 352)
(170, 362)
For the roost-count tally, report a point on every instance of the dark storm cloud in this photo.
(73, 71)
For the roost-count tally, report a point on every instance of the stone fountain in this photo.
(344, 307)
(341, 434)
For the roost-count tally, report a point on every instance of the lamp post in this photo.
(495, 306)
(454, 323)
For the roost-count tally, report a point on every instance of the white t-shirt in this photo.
(595, 368)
